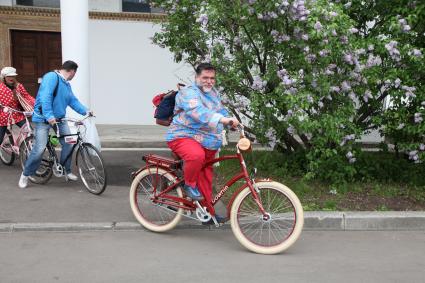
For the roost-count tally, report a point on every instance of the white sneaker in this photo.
(23, 181)
(71, 177)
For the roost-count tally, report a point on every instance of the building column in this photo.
(75, 47)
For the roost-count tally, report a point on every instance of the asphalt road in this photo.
(209, 256)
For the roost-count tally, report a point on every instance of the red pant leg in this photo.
(206, 176)
(193, 155)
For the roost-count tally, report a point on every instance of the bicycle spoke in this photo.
(266, 231)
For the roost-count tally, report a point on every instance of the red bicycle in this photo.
(265, 216)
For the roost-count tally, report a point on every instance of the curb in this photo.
(313, 221)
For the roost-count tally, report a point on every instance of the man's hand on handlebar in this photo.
(233, 122)
(52, 122)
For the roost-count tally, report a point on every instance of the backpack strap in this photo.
(55, 92)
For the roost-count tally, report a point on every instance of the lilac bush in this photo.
(313, 78)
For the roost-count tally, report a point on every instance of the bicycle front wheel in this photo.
(271, 233)
(91, 168)
(7, 155)
(152, 214)
(45, 170)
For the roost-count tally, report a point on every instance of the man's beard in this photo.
(207, 89)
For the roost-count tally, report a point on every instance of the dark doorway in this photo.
(33, 54)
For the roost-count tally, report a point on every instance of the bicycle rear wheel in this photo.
(272, 234)
(91, 168)
(45, 170)
(152, 215)
(7, 155)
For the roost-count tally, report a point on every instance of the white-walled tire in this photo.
(267, 236)
(153, 216)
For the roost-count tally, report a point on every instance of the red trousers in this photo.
(195, 156)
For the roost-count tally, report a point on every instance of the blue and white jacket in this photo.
(198, 116)
(46, 107)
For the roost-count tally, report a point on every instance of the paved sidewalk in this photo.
(133, 136)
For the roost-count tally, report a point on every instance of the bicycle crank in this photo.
(201, 213)
(58, 170)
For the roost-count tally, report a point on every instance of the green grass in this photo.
(378, 186)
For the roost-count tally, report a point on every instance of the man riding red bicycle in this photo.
(195, 132)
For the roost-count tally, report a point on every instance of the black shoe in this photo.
(219, 219)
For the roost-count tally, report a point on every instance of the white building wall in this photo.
(127, 70)
(6, 2)
(105, 5)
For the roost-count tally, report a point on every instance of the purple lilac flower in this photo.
(347, 5)
(310, 99)
(282, 73)
(345, 86)
(353, 30)
(333, 32)
(352, 160)
(318, 26)
(298, 11)
(329, 72)
(347, 138)
(333, 14)
(397, 83)
(400, 126)
(352, 96)
(404, 26)
(304, 37)
(393, 51)
(320, 104)
(418, 117)
(415, 52)
(271, 136)
(344, 39)
(335, 89)
(258, 83)
(348, 58)
(310, 58)
(349, 155)
(203, 19)
(422, 147)
(413, 155)
(373, 61)
(291, 130)
(324, 53)
(409, 91)
(367, 95)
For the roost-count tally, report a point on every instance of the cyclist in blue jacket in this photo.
(54, 96)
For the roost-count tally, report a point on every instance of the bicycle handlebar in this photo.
(10, 109)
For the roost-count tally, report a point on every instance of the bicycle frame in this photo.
(24, 132)
(178, 202)
(52, 150)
